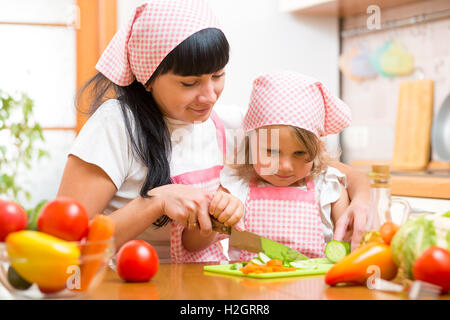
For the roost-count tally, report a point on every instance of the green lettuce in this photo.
(415, 236)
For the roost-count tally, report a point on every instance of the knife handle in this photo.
(219, 226)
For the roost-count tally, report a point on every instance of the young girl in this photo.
(290, 193)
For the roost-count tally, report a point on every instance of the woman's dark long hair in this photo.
(205, 52)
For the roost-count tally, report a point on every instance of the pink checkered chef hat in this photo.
(288, 98)
(154, 30)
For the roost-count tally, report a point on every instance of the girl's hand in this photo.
(185, 204)
(226, 208)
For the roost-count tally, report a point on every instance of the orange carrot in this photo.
(101, 230)
(274, 262)
(271, 266)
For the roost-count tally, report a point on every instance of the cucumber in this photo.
(257, 261)
(263, 258)
(336, 250)
(16, 281)
(236, 266)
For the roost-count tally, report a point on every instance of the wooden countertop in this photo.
(415, 183)
(190, 282)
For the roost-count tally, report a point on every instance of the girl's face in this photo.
(187, 98)
(282, 159)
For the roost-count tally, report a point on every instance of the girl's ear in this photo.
(337, 112)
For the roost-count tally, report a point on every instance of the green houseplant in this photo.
(19, 135)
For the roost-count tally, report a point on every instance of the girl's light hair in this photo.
(315, 149)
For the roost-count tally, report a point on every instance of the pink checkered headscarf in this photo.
(154, 30)
(288, 98)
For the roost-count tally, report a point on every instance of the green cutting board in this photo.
(321, 268)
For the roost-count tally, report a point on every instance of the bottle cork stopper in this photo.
(380, 168)
(380, 171)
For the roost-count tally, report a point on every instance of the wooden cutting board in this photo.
(413, 126)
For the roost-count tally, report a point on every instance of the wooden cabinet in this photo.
(341, 8)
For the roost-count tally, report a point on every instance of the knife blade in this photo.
(249, 241)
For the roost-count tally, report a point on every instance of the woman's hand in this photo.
(185, 204)
(353, 219)
(226, 208)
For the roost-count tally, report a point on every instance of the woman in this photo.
(151, 108)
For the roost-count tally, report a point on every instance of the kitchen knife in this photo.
(252, 242)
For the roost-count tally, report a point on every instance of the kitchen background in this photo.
(46, 52)
(374, 100)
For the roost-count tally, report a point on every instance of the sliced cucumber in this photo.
(336, 250)
(16, 280)
(303, 264)
(264, 258)
(257, 261)
(236, 266)
(311, 263)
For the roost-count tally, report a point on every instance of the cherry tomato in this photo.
(12, 218)
(433, 266)
(64, 218)
(137, 261)
(388, 231)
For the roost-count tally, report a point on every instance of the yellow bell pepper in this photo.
(42, 259)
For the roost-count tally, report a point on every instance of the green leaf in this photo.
(27, 106)
(3, 151)
(15, 129)
(43, 153)
(16, 158)
(33, 215)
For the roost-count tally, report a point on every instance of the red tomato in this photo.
(49, 291)
(388, 231)
(12, 218)
(64, 218)
(433, 266)
(137, 261)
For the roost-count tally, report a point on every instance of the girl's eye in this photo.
(300, 153)
(186, 84)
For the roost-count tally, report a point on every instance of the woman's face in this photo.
(282, 159)
(187, 98)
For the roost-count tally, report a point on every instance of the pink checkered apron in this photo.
(209, 180)
(288, 215)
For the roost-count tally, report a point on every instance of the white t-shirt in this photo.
(104, 141)
(327, 191)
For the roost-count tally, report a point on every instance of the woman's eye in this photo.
(187, 84)
(217, 76)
